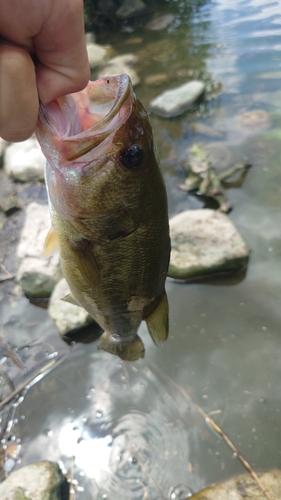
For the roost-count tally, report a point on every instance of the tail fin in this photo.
(128, 351)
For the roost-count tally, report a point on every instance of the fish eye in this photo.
(132, 157)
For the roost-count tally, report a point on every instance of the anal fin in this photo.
(70, 299)
(128, 351)
(51, 243)
(158, 321)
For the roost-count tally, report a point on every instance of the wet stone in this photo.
(38, 481)
(36, 275)
(244, 488)
(176, 101)
(67, 317)
(24, 161)
(205, 242)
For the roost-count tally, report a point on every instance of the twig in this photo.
(71, 495)
(226, 439)
(11, 354)
(40, 373)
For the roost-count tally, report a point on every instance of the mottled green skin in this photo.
(112, 227)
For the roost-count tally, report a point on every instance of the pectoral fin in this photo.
(70, 299)
(158, 321)
(86, 262)
(128, 351)
(51, 243)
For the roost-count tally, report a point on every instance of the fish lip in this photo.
(74, 146)
(124, 91)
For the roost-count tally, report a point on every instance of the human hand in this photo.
(42, 56)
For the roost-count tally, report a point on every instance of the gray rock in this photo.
(175, 101)
(119, 65)
(3, 145)
(97, 55)
(131, 8)
(66, 316)
(205, 242)
(36, 275)
(24, 161)
(38, 481)
(244, 487)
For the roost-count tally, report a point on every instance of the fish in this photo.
(109, 212)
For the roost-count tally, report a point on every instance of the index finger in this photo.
(62, 66)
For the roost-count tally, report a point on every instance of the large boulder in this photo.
(244, 488)
(67, 317)
(205, 242)
(38, 481)
(37, 275)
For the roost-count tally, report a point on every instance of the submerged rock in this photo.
(201, 128)
(158, 22)
(67, 317)
(36, 275)
(38, 481)
(175, 101)
(156, 79)
(255, 118)
(205, 242)
(244, 488)
(131, 8)
(119, 65)
(24, 161)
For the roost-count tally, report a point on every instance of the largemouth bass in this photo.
(108, 208)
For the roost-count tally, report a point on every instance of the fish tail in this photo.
(128, 351)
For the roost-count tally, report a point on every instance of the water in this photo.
(133, 431)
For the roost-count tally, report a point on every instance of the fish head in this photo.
(99, 149)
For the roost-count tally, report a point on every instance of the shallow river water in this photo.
(134, 429)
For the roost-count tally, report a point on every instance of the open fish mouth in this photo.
(80, 122)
